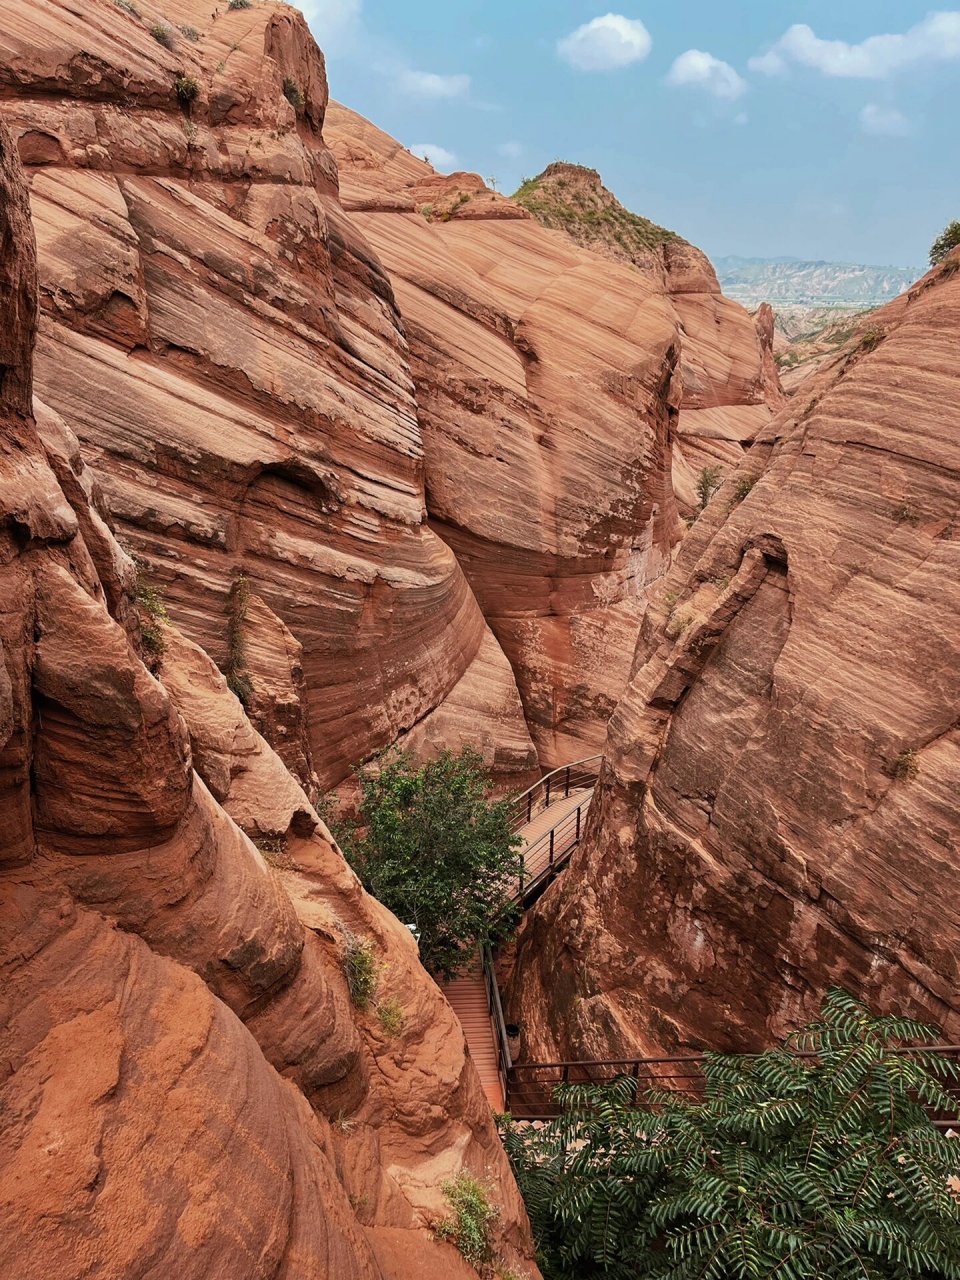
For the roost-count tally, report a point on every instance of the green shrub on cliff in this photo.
(948, 239)
(435, 849)
(815, 1161)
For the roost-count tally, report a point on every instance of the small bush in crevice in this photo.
(294, 94)
(678, 623)
(742, 488)
(128, 7)
(274, 850)
(871, 338)
(905, 766)
(361, 969)
(473, 1217)
(153, 613)
(162, 34)
(187, 89)
(190, 33)
(240, 4)
(235, 666)
(905, 514)
(708, 482)
(391, 1016)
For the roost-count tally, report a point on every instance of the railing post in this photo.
(567, 787)
(553, 832)
(578, 824)
(547, 803)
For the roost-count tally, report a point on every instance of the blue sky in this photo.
(825, 129)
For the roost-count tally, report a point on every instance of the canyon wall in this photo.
(777, 806)
(564, 395)
(187, 1088)
(229, 351)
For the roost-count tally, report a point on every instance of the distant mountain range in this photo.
(791, 280)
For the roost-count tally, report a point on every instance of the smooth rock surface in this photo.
(777, 808)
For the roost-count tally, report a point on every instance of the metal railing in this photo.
(550, 853)
(558, 784)
(530, 1091)
(504, 1059)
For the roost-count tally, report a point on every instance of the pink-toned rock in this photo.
(229, 351)
(187, 1084)
(777, 810)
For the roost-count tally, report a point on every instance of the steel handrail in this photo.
(568, 828)
(523, 805)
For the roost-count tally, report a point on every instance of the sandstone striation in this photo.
(549, 379)
(187, 1088)
(229, 351)
(777, 807)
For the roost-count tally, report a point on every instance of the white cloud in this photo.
(935, 39)
(707, 72)
(606, 43)
(427, 84)
(885, 122)
(331, 17)
(511, 150)
(438, 156)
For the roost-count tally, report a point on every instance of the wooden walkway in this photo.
(467, 992)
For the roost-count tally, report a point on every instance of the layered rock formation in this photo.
(228, 349)
(187, 1088)
(549, 380)
(777, 808)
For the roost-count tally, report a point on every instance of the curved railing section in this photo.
(559, 783)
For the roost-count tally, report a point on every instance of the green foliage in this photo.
(793, 1167)
(162, 34)
(190, 33)
(187, 89)
(274, 850)
(473, 1218)
(153, 613)
(391, 1015)
(294, 94)
(240, 4)
(554, 203)
(678, 623)
(948, 239)
(905, 767)
(708, 482)
(438, 852)
(871, 338)
(235, 664)
(743, 487)
(361, 968)
(128, 7)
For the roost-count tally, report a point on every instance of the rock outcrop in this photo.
(777, 808)
(187, 1088)
(229, 351)
(549, 380)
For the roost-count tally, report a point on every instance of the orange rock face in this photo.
(777, 809)
(187, 1087)
(228, 349)
(549, 381)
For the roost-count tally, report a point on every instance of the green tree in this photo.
(436, 850)
(815, 1161)
(708, 482)
(948, 239)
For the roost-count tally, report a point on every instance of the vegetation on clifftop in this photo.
(572, 198)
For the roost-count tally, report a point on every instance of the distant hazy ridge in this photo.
(779, 280)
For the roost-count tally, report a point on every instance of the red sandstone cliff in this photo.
(228, 349)
(563, 396)
(186, 1089)
(777, 808)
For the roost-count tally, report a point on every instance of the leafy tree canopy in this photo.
(436, 850)
(815, 1160)
(948, 239)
